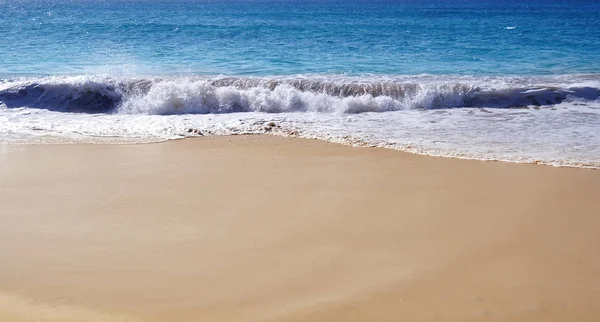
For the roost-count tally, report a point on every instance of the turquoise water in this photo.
(289, 37)
(516, 81)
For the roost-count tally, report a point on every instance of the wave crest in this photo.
(189, 95)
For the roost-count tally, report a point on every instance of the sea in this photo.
(515, 81)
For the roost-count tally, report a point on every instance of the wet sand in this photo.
(262, 228)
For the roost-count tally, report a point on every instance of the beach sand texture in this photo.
(264, 228)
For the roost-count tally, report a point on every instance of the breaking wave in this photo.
(202, 95)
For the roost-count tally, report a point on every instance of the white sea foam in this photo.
(558, 121)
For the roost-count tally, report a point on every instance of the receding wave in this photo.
(202, 95)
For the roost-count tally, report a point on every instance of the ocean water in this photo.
(516, 81)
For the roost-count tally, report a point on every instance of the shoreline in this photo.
(347, 142)
(512, 119)
(267, 228)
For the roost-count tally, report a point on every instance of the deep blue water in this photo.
(494, 80)
(290, 37)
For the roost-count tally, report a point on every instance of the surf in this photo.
(321, 94)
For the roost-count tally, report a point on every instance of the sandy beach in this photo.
(264, 228)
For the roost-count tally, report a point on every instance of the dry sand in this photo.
(261, 228)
